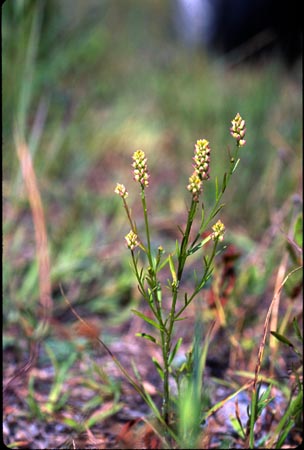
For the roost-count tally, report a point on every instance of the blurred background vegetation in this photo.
(89, 82)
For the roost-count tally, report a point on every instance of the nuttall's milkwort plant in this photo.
(148, 279)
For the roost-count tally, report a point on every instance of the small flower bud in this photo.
(121, 190)
(238, 130)
(140, 171)
(131, 239)
(218, 231)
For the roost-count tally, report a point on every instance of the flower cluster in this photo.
(131, 239)
(201, 167)
(218, 231)
(140, 171)
(195, 185)
(238, 130)
(202, 159)
(121, 190)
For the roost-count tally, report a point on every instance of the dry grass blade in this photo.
(274, 313)
(277, 292)
(42, 253)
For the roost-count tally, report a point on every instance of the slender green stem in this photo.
(141, 285)
(171, 318)
(133, 225)
(183, 248)
(144, 204)
(157, 311)
(204, 279)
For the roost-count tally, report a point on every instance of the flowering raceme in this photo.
(201, 168)
(121, 190)
(218, 231)
(131, 239)
(140, 171)
(202, 159)
(238, 130)
(195, 185)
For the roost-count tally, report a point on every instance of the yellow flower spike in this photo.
(121, 190)
(195, 185)
(202, 159)
(218, 231)
(238, 130)
(140, 172)
(132, 241)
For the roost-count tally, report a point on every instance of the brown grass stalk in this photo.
(42, 253)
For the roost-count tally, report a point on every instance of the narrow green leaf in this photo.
(282, 338)
(236, 164)
(216, 188)
(237, 426)
(163, 264)
(172, 269)
(98, 418)
(198, 246)
(73, 423)
(217, 211)
(158, 367)
(252, 418)
(176, 347)
(180, 229)
(224, 183)
(265, 394)
(146, 319)
(264, 400)
(203, 214)
(180, 318)
(284, 435)
(297, 329)
(298, 230)
(147, 336)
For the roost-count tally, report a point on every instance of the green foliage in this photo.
(150, 286)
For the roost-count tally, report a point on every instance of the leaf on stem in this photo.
(163, 264)
(282, 338)
(203, 214)
(146, 319)
(147, 336)
(180, 318)
(264, 400)
(216, 188)
(235, 166)
(216, 211)
(224, 184)
(176, 347)
(172, 270)
(186, 298)
(159, 369)
(198, 246)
